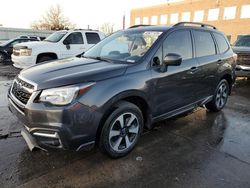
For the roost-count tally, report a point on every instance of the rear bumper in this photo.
(73, 127)
(242, 71)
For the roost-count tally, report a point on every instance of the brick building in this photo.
(230, 16)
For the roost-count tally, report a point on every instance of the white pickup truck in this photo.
(61, 44)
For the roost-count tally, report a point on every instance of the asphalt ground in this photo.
(201, 149)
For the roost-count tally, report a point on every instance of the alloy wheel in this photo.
(124, 132)
(221, 96)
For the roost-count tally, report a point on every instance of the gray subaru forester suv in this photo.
(122, 85)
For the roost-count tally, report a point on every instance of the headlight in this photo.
(62, 95)
(25, 52)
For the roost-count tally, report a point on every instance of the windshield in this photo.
(243, 41)
(55, 37)
(124, 46)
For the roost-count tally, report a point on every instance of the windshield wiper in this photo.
(100, 58)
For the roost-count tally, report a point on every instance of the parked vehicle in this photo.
(32, 37)
(242, 49)
(128, 81)
(6, 48)
(61, 44)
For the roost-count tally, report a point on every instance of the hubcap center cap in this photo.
(123, 132)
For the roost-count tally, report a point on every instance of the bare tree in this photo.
(53, 20)
(107, 28)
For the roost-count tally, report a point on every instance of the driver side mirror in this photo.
(172, 59)
(67, 44)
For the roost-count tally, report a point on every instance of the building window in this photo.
(145, 20)
(213, 14)
(164, 19)
(185, 16)
(137, 21)
(229, 13)
(174, 18)
(198, 16)
(154, 20)
(245, 11)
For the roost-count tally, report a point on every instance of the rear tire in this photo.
(44, 58)
(220, 97)
(121, 130)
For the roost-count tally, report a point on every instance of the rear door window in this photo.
(222, 43)
(204, 44)
(92, 38)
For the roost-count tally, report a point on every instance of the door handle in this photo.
(193, 70)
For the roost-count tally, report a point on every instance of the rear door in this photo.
(208, 59)
(175, 88)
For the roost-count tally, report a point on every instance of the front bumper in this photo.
(71, 127)
(242, 71)
(22, 62)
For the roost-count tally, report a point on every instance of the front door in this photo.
(175, 87)
(73, 45)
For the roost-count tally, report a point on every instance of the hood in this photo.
(71, 71)
(34, 44)
(241, 49)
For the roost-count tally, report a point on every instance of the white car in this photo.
(61, 44)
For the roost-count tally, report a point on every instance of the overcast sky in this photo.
(21, 13)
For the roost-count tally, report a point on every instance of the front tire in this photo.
(121, 130)
(220, 97)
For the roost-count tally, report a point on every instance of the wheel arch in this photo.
(49, 54)
(135, 97)
(229, 79)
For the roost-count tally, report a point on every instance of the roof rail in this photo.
(85, 30)
(194, 23)
(135, 26)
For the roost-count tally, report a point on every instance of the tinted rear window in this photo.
(222, 43)
(92, 38)
(204, 44)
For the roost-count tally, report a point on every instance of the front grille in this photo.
(24, 84)
(22, 90)
(243, 59)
